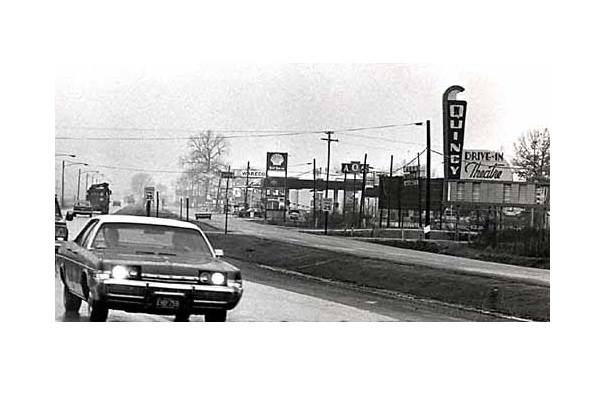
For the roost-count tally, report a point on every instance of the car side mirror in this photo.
(219, 253)
(69, 216)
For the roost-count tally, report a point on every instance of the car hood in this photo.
(171, 265)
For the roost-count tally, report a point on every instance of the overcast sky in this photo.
(110, 101)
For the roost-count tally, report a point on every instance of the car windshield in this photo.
(151, 239)
(58, 211)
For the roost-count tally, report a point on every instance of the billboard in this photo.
(276, 161)
(485, 165)
(453, 112)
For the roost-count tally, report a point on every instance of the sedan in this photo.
(82, 207)
(147, 265)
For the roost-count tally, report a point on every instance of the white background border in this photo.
(378, 370)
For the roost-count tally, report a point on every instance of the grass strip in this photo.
(507, 297)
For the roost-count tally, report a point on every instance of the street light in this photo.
(63, 167)
(86, 178)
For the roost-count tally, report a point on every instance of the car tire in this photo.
(216, 316)
(98, 312)
(182, 317)
(72, 303)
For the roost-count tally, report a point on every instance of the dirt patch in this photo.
(512, 298)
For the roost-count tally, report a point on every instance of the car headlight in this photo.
(217, 278)
(120, 272)
(204, 277)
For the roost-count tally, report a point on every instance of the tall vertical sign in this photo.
(453, 112)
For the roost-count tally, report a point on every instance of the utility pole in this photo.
(187, 208)
(246, 188)
(419, 185)
(226, 198)
(328, 140)
(157, 204)
(363, 185)
(344, 200)
(354, 197)
(181, 208)
(63, 167)
(314, 192)
(428, 191)
(79, 186)
(388, 192)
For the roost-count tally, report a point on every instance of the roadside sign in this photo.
(253, 173)
(327, 204)
(354, 167)
(227, 174)
(426, 229)
(276, 161)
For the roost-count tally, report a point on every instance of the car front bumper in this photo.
(143, 296)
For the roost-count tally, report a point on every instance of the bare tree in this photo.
(204, 160)
(139, 181)
(532, 155)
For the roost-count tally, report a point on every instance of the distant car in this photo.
(203, 215)
(116, 203)
(82, 207)
(249, 212)
(294, 214)
(61, 229)
(148, 265)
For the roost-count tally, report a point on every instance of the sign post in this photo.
(363, 185)
(328, 140)
(276, 162)
(227, 175)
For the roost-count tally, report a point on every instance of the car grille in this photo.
(167, 278)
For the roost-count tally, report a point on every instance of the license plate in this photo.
(167, 302)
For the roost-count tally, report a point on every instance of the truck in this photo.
(99, 197)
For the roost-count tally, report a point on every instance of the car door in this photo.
(76, 259)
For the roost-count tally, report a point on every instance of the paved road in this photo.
(274, 296)
(366, 249)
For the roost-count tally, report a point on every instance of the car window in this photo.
(83, 236)
(151, 239)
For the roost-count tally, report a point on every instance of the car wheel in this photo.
(216, 316)
(181, 317)
(72, 303)
(98, 312)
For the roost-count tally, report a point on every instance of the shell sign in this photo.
(276, 161)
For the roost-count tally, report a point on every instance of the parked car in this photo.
(294, 214)
(248, 212)
(148, 265)
(203, 214)
(82, 207)
(61, 229)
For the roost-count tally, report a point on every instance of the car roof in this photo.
(116, 218)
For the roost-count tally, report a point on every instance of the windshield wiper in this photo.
(166, 253)
(145, 252)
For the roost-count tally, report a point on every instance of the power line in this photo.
(382, 138)
(254, 133)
